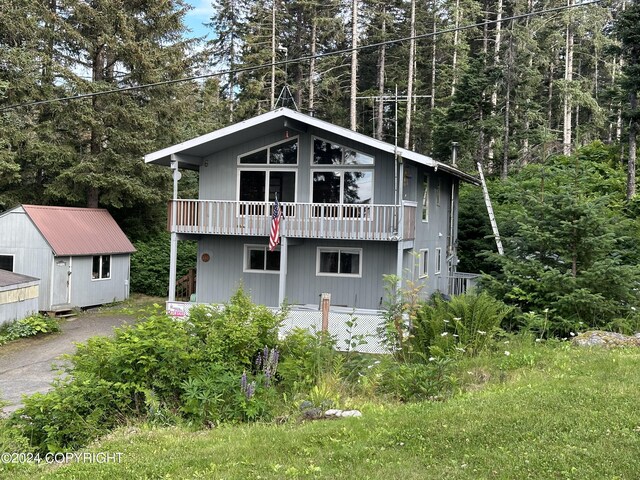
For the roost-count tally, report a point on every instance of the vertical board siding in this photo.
(86, 292)
(223, 273)
(32, 254)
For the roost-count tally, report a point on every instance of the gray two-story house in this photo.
(355, 209)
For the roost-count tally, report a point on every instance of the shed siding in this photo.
(10, 312)
(32, 254)
(86, 292)
(223, 273)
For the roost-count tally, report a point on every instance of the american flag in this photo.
(274, 236)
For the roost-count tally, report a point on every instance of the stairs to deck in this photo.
(63, 312)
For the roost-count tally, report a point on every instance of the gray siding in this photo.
(32, 254)
(33, 257)
(434, 233)
(86, 292)
(219, 177)
(221, 276)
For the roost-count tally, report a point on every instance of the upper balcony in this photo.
(302, 220)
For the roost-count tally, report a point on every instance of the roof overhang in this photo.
(190, 154)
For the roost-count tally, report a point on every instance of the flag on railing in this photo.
(274, 236)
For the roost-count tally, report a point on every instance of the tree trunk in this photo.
(633, 130)
(454, 62)
(382, 53)
(412, 48)
(496, 62)
(354, 63)
(568, 78)
(312, 62)
(507, 111)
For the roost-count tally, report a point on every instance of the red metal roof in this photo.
(79, 231)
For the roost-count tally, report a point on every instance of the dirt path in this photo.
(28, 365)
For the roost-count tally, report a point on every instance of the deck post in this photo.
(173, 254)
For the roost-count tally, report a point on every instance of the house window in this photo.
(6, 262)
(354, 187)
(258, 258)
(339, 262)
(263, 186)
(327, 153)
(438, 261)
(425, 198)
(101, 267)
(283, 153)
(424, 263)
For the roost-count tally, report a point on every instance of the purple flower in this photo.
(243, 382)
(259, 361)
(251, 388)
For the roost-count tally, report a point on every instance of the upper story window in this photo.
(328, 153)
(282, 153)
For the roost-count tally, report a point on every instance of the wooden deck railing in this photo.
(303, 220)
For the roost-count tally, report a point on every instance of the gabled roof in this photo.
(79, 231)
(281, 118)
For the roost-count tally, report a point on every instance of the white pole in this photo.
(284, 253)
(173, 255)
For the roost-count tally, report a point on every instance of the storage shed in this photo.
(18, 296)
(80, 254)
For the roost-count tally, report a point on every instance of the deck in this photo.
(302, 220)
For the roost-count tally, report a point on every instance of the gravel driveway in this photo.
(27, 365)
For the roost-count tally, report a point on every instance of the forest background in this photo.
(521, 86)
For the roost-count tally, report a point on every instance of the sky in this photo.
(201, 13)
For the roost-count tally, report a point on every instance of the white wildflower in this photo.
(482, 332)
(507, 353)
(457, 319)
(431, 359)
(444, 334)
(455, 335)
(446, 321)
(572, 334)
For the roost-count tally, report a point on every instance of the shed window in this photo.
(101, 267)
(6, 262)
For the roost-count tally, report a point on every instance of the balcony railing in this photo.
(303, 220)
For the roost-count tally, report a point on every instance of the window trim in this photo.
(426, 182)
(342, 172)
(268, 149)
(100, 277)
(320, 250)
(245, 262)
(438, 259)
(424, 263)
(438, 191)
(343, 147)
(267, 180)
(13, 260)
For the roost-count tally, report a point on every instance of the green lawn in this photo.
(560, 412)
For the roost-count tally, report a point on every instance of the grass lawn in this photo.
(548, 412)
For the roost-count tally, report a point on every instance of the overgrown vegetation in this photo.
(571, 245)
(29, 326)
(150, 263)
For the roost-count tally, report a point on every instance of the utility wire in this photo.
(299, 59)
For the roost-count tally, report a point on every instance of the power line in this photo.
(299, 59)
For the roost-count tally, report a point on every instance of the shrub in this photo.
(306, 358)
(202, 370)
(464, 324)
(30, 326)
(150, 264)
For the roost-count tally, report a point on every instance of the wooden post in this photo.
(325, 303)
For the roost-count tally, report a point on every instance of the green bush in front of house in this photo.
(202, 370)
(29, 326)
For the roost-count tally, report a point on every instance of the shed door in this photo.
(61, 280)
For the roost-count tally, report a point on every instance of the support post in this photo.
(173, 254)
(284, 253)
(325, 303)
